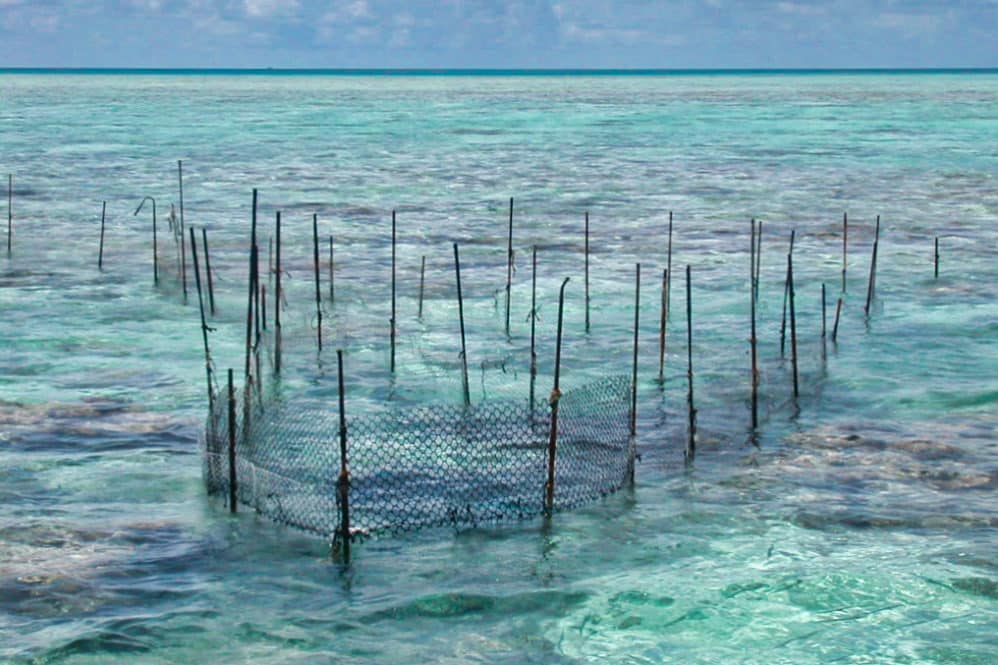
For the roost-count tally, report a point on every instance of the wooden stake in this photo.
(315, 265)
(533, 328)
(332, 275)
(587, 271)
(155, 251)
(753, 344)
(793, 322)
(937, 258)
(835, 327)
(691, 442)
(786, 293)
(10, 210)
(343, 482)
(555, 399)
(100, 251)
(278, 294)
(509, 263)
(662, 326)
(460, 311)
(204, 324)
(393, 296)
(252, 293)
(207, 270)
(422, 283)
(634, 360)
(233, 494)
(873, 270)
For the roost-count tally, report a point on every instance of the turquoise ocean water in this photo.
(857, 525)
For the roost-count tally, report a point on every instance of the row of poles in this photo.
(256, 318)
(689, 453)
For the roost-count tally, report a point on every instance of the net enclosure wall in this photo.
(414, 467)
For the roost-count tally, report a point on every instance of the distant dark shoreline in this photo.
(487, 72)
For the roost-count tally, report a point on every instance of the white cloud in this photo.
(351, 11)
(264, 8)
(910, 25)
(800, 9)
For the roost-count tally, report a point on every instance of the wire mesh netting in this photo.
(421, 466)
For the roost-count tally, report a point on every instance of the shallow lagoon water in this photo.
(859, 525)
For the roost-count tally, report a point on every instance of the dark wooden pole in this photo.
(634, 358)
(155, 249)
(691, 442)
(10, 210)
(183, 254)
(257, 311)
(422, 283)
(587, 270)
(870, 289)
(343, 482)
(555, 399)
(793, 322)
(460, 311)
(232, 445)
(533, 327)
(252, 293)
(207, 270)
(937, 258)
(204, 323)
(752, 283)
(100, 251)
(835, 327)
(509, 263)
(753, 343)
(662, 326)
(278, 294)
(315, 266)
(786, 295)
(393, 297)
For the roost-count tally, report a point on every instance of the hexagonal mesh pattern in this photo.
(424, 466)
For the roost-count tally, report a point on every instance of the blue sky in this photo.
(494, 33)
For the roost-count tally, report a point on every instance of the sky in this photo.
(499, 34)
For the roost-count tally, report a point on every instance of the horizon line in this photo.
(508, 71)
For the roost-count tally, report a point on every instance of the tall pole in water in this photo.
(343, 482)
(533, 327)
(460, 311)
(10, 210)
(509, 263)
(100, 251)
(155, 251)
(634, 366)
(587, 271)
(691, 442)
(393, 295)
(752, 338)
(555, 399)
(315, 264)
